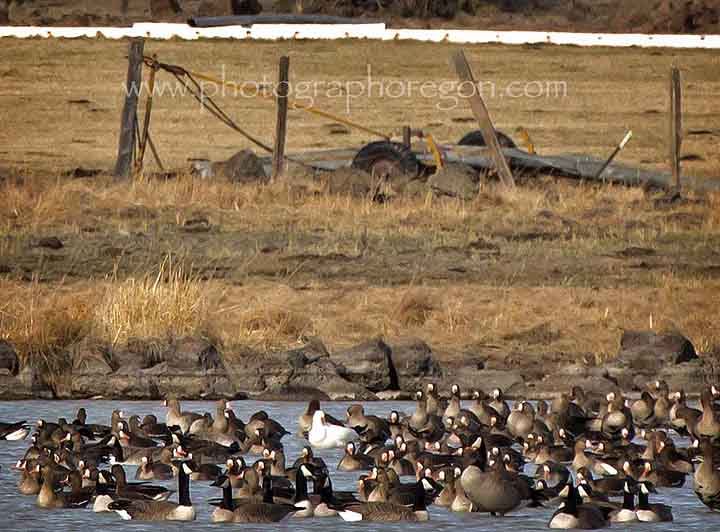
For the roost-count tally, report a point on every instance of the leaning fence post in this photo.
(482, 115)
(675, 125)
(128, 124)
(282, 111)
(145, 132)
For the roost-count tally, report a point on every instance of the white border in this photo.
(365, 31)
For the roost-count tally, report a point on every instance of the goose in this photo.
(14, 431)
(448, 493)
(597, 467)
(643, 411)
(481, 408)
(372, 429)
(266, 511)
(388, 511)
(651, 513)
(454, 406)
(49, 498)
(29, 483)
(494, 491)
(104, 492)
(627, 513)
(499, 404)
(160, 510)
(325, 436)
(175, 417)
(224, 511)
(683, 418)
(306, 419)
(707, 478)
(434, 404)
(707, 426)
(661, 477)
(660, 392)
(151, 470)
(132, 490)
(354, 461)
(574, 515)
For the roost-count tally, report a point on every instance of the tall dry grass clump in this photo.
(164, 304)
(267, 327)
(414, 308)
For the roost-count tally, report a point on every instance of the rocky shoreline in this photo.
(193, 368)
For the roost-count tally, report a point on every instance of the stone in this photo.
(165, 8)
(193, 354)
(50, 242)
(245, 167)
(245, 7)
(368, 364)
(455, 180)
(351, 182)
(9, 359)
(648, 351)
(413, 362)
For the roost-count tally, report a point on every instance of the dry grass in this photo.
(169, 303)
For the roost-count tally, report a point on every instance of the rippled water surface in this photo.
(19, 513)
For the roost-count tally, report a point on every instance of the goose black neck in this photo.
(571, 501)
(628, 500)
(643, 501)
(419, 504)
(183, 487)
(301, 492)
(228, 503)
(267, 490)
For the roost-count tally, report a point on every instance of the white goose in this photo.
(325, 436)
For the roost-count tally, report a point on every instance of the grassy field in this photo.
(554, 269)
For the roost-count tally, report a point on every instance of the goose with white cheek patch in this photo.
(651, 513)
(574, 515)
(151, 510)
(627, 513)
(385, 512)
(325, 436)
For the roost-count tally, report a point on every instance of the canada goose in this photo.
(707, 478)
(151, 470)
(266, 511)
(494, 491)
(388, 511)
(224, 511)
(651, 513)
(353, 461)
(574, 515)
(607, 485)
(104, 492)
(305, 507)
(175, 417)
(127, 490)
(160, 510)
(325, 436)
(627, 513)
(14, 431)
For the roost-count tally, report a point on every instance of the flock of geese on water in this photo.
(466, 458)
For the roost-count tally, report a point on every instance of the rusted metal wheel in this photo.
(387, 160)
(475, 138)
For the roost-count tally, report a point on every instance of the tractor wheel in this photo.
(387, 160)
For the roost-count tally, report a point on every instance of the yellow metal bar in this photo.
(432, 146)
(296, 106)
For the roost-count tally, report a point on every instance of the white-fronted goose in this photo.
(388, 511)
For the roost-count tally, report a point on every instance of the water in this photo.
(19, 513)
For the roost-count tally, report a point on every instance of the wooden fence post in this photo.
(145, 132)
(407, 136)
(675, 125)
(128, 123)
(482, 115)
(278, 162)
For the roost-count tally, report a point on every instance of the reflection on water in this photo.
(19, 513)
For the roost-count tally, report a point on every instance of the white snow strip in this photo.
(364, 31)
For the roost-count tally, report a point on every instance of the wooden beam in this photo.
(145, 133)
(482, 115)
(282, 112)
(128, 124)
(675, 125)
(407, 136)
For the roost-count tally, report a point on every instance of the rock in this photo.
(245, 7)
(213, 8)
(643, 354)
(413, 362)
(470, 378)
(245, 167)
(50, 242)
(350, 181)
(193, 354)
(394, 395)
(9, 359)
(165, 8)
(368, 364)
(25, 385)
(455, 180)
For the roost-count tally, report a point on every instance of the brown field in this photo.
(554, 269)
